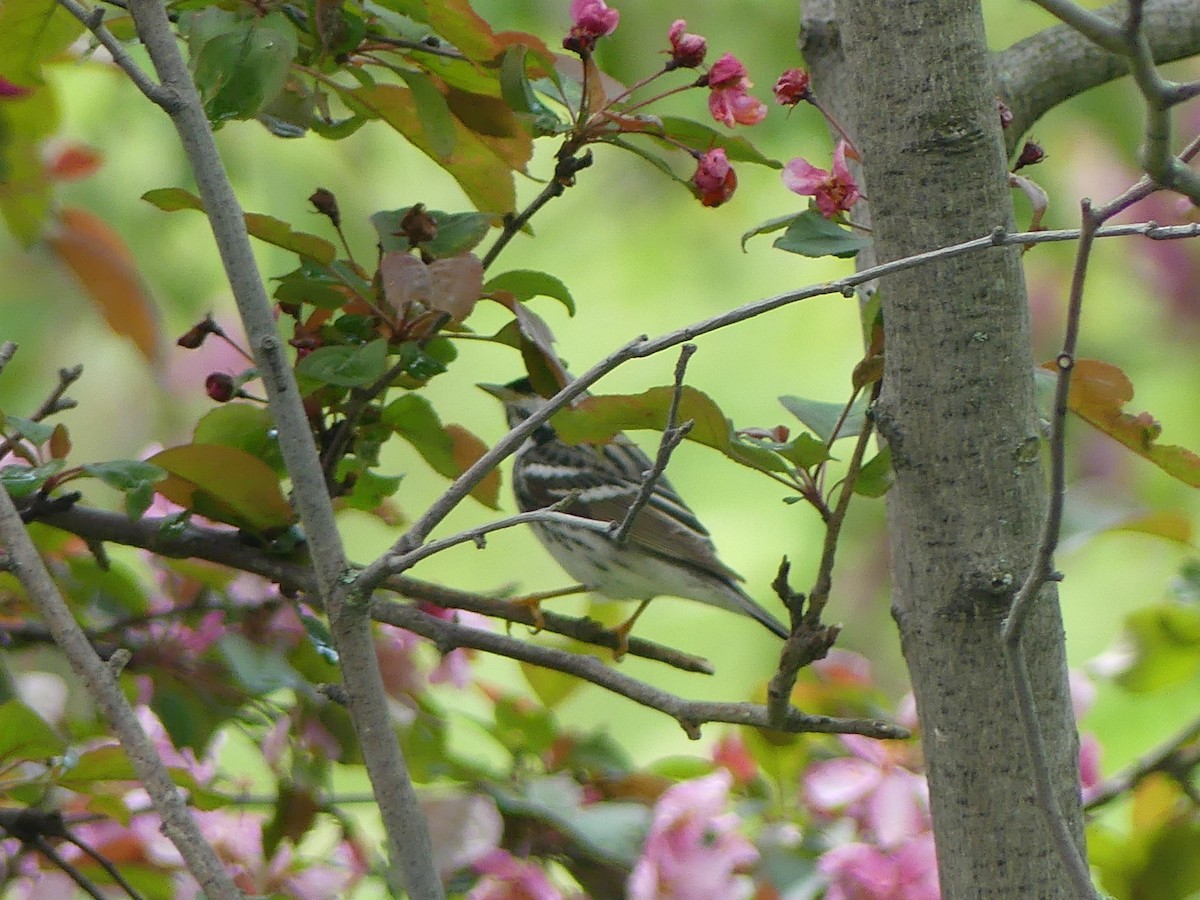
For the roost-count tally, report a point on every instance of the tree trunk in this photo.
(958, 411)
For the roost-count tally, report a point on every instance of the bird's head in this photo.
(519, 398)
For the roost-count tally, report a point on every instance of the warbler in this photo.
(666, 552)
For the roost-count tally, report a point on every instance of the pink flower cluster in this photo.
(728, 100)
(893, 856)
(590, 21)
(694, 849)
(834, 191)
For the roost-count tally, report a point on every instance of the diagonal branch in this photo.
(104, 688)
(690, 714)
(407, 832)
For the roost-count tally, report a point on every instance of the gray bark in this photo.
(958, 412)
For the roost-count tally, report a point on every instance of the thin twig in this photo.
(672, 436)
(1042, 572)
(564, 173)
(8, 350)
(690, 714)
(54, 403)
(550, 514)
(93, 20)
(810, 639)
(1177, 757)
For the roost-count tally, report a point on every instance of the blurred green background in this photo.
(641, 256)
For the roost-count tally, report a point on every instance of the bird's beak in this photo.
(501, 392)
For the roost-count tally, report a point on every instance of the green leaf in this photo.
(260, 670)
(776, 224)
(239, 65)
(456, 232)
(242, 425)
(811, 234)
(596, 420)
(436, 118)
(610, 831)
(527, 283)
(523, 727)
(25, 736)
(1166, 640)
(346, 366)
(875, 478)
(265, 228)
(448, 449)
(371, 489)
(21, 481)
(132, 477)
(32, 32)
(125, 474)
(823, 417)
(314, 284)
(701, 137)
(101, 764)
(226, 484)
(485, 176)
(519, 94)
(36, 433)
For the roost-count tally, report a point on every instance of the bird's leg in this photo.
(622, 631)
(533, 602)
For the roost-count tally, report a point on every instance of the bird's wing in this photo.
(607, 479)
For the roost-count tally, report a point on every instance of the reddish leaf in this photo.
(60, 442)
(459, 24)
(449, 449)
(74, 162)
(105, 267)
(405, 280)
(1099, 391)
(457, 284)
(224, 483)
(482, 175)
(466, 449)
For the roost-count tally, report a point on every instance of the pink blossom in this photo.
(509, 878)
(728, 100)
(591, 20)
(889, 802)
(687, 50)
(843, 667)
(715, 179)
(792, 87)
(454, 667)
(9, 90)
(863, 872)
(834, 191)
(1089, 762)
(731, 753)
(693, 849)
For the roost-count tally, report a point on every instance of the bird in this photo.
(667, 551)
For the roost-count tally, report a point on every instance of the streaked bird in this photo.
(667, 551)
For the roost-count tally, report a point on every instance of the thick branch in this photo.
(1037, 74)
